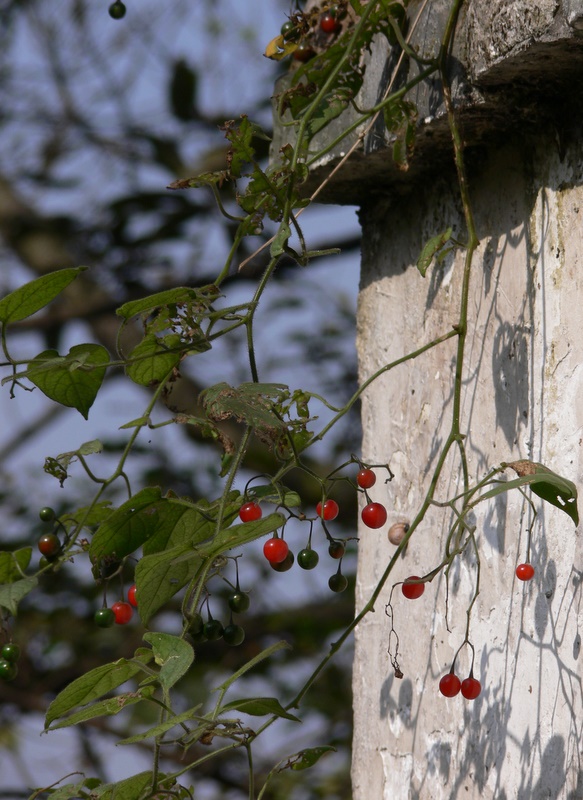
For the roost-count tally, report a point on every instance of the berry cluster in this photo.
(9, 655)
(314, 30)
(120, 612)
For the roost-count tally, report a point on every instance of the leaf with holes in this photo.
(307, 758)
(552, 488)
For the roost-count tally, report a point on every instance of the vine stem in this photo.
(454, 437)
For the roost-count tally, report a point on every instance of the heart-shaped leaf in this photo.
(72, 380)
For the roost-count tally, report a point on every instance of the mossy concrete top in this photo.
(516, 65)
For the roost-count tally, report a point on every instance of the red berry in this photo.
(123, 612)
(471, 688)
(49, 545)
(374, 515)
(132, 596)
(329, 511)
(411, 588)
(525, 572)
(275, 550)
(249, 512)
(450, 685)
(336, 549)
(304, 52)
(328, 24)
(366, 478)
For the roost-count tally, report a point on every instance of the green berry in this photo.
(8, 670)
(238, 602)
(47, 514)
(234, 634)
(213, 629)
(11, 652)
(338, 582)
(117, 10)
(289, 31)
(308, 558)
(104, 617)
(196, 625)
(284, 565)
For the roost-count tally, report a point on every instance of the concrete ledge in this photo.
(515, 66)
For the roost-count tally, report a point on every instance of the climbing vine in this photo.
(163, 546)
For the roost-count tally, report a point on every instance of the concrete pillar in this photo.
(517, 68)
(522, 738)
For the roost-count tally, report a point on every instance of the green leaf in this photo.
(551, 487)
(152, 360)
(431, 249)
(269, 494)
(137, 423)
(96, 683)
(327, 111)
(12, 565)
(128, 527)
(172, 654)
(259, 707)
(75, 791)
(181, 295)
(105, 708)
(72, 380)
(164, 727)
(161, 575)
(91, 515)
(280, 241)
(12, 593)
(138, 787)
(267, 653)
(171, 557)
(307, 758)
(33, 296)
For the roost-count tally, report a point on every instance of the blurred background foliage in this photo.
(97, 117)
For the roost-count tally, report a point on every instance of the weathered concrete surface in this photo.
(523, 737)
(512, 62)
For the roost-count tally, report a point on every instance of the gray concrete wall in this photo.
(522, 738)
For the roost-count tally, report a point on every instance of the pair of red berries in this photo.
(275, 549)
(374, 515)
(450, 686)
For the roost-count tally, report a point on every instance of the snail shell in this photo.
(397, 532)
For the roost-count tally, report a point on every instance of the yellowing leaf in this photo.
(278, 48)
